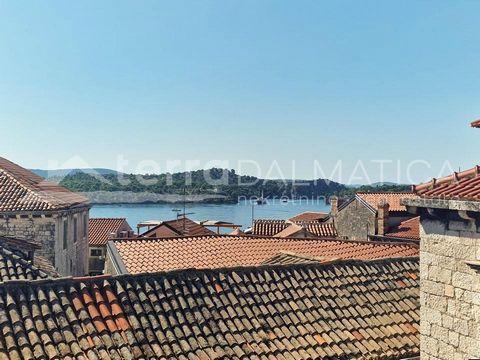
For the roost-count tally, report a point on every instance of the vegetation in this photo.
(215, 182)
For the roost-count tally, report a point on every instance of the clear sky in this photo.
(84, 82)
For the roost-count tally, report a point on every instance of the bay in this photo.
(240, 213)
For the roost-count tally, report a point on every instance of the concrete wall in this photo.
(450, 290)
(355, 221)
(47, 231)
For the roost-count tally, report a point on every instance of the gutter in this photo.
(116, 258)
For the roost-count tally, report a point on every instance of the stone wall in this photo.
(355, 221)
(450, 290)
(47, 231)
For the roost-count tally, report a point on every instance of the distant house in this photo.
(367, 214)
(309, 216)
(100, 230)
(43, 212)
(132, 256)
(408, 230)
(177, 227)
(266, 227)
(449, 210)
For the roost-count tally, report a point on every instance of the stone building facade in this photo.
(368, 214)
(44, 213)
(449, 266)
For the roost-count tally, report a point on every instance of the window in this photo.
(96, 252)
(75, 223)
(65, 233)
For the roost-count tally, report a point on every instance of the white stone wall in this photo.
(449, 290)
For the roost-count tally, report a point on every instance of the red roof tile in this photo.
(273, 227)
(464, 185)
(309, 216)
(178, 227)
(408, 229)
(22, 190)
(476, 124)
(150, 255)
(100, 229)
(341, 310)
(372, 199)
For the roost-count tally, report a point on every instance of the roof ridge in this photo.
(455, 177)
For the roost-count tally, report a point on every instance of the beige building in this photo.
(449, 209)
(49, 215)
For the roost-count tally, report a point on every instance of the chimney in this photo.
(334, 205)
(382, 217)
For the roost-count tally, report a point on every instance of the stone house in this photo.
(100, 230)
(47, 214)
(449, 209)
(367, 214)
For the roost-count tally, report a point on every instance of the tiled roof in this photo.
(100, 229)
(273, 227)
(476, 124)
(342, 310)
(14, 267)
(464, 185)
(309, 216)
(22, 190)
(178, 227)
(151, 255)
(408, 229)
(372, 199)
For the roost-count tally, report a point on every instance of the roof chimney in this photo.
(334, 205)
(382, 217)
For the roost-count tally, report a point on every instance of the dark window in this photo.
(96, 252)
(75, 223)
(65, 233)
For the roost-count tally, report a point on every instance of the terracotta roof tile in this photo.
(273, 227)
(151, 255)
(100, 229)
(372, 199)
(178, 227)
(13, 266)
(464, 185)
(309, 216)
(476, 124)
(22, 190)
(408, 229)
(305, 311)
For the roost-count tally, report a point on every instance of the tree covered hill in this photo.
(212, 181)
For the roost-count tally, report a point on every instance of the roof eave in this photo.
(438, 203)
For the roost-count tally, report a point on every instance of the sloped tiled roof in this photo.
(464, 185)
(22, 190)
(408, 229)
(178, 227)
(273, 227)
(476, 124)
(343, 310)
(99, 229)
(151, 255)
(372, 199)
(309, 216)
(14, 267)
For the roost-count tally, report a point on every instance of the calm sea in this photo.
(240, 214)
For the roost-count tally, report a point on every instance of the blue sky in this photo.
(82, 83)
